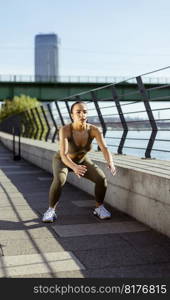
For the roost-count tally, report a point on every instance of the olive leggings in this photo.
(60, 172)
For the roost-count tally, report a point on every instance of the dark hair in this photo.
(78, 102)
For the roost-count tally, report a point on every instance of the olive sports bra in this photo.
(79, 150)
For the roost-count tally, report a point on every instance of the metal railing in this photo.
(138, 127)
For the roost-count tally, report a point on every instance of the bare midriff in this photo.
(74, 156)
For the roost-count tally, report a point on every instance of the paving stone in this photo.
(66, 274)
(112, 257)
(23, 172)
(93, 242)
(90, 229)
(38, 263)
(147, 238)
(30, 246)
(23, 214)
(39, 230)
(84, 203)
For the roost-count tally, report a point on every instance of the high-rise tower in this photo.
(46, 57)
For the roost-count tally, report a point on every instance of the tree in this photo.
(17, 105)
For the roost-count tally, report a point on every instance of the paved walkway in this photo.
(77, 244)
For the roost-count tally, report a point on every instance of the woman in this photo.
(75, 141)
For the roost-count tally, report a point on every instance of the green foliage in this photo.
(41, 130)
(21, 104)
(17, 105)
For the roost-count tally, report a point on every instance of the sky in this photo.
(97, 38)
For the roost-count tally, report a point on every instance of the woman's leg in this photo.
(95, 174)
(60, 172)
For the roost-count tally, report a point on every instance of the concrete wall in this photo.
(143, 195)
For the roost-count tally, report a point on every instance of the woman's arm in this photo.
(102, 144)
(64, 148)
(79, 170)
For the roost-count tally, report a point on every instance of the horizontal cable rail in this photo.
(158, 87)
(160, 98)
(122, 116)
(160, 150)
(141, 139)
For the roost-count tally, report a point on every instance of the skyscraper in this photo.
(46, 57)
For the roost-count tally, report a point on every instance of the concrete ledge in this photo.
(141, 188)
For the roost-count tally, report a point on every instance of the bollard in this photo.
(16, 156)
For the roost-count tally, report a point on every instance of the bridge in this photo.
(47, 90)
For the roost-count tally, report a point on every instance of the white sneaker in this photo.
(49, 215)
(102, 212)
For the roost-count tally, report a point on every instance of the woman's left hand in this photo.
(112, 168)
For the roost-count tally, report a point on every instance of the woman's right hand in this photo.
(80, 170)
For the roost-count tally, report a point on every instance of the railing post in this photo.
(26, 124)
(31, 115)
(41, 123)
(152, 121)
(30, 128)
(54, 122)
(101, 119)
(47, 123)
(35, 123)
(16, 156)
(100, 116)
(13, 132)
(68, 109)
(122, 118)
(59, 112)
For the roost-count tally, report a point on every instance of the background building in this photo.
(46, 57)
